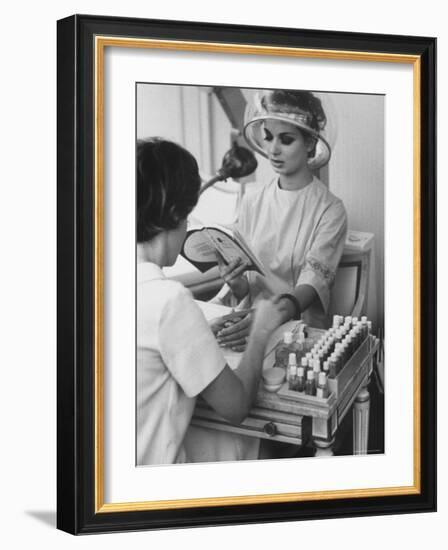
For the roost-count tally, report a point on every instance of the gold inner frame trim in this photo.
(101, 42)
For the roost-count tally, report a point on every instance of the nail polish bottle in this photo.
(300, 386)
(283, 350)
(322, 386)
(292, 371)
(310, 386)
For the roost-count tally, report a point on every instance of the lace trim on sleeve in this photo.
(321, 270)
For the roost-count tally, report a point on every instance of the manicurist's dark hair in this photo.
(168, 184)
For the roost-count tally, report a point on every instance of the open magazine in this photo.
(203, 245)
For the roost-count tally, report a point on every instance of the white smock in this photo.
(299, 238)
(177, 358)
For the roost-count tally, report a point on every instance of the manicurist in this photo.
(178, 358)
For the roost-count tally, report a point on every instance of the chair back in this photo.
(349, 292)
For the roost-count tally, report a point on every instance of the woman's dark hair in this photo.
(168, 184)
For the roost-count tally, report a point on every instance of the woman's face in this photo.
(286, 147)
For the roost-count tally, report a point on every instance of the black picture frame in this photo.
(78, 501)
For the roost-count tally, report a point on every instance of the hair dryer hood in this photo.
(238, 162)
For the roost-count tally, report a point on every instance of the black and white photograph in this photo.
(245, 241)
(223, 285)
(259, 274)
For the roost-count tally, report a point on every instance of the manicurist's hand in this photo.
(234, 333)
(226, 321)
(268, 315)
(232, 274)
(232, 393)
(217, 325)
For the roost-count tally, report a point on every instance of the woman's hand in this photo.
(233, 333)
(217, 324)
(268, 315)
(232, 274)
(227, 320)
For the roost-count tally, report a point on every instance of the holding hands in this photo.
(233, 330)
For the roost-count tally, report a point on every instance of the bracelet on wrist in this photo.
(295, 303)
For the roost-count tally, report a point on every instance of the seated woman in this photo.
(178, 357)
(293, 223)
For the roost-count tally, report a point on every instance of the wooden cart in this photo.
(294, 417)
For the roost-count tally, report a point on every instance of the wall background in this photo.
(27, 290)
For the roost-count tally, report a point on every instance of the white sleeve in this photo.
(243, 217)
(187, 345)
(325, 253)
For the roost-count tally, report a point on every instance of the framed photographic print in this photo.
(246, 274)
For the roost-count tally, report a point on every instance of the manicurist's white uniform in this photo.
(177, 358)
(299, 237)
